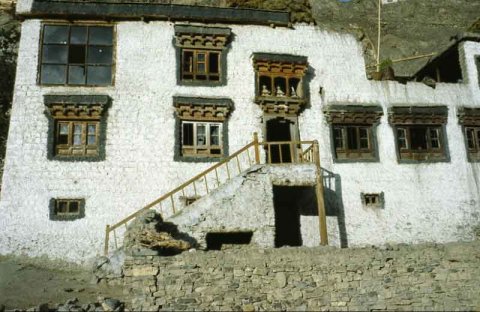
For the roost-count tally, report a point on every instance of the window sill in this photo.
(422, 157)
(198, 159)
(351, 157)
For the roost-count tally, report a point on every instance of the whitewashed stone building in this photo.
(117, 104)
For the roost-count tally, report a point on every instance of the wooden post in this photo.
(322, 218)
(257, 148)
(107, 238)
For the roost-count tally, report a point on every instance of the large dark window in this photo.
(200, 65)
(77, 55)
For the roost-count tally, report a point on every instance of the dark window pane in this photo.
(99, 75)
(101, 35)
(99, 55)
(352, 138)
(55, 34)
(76, 54)
(213, 63)
(201, 57)
(54, 54)
(62, 207)
(62, 137)
(418, 138)
(187, 134)
(53, 74)
(188, 61)
(402, 142)
(338, 135)
(78, 35)
(200, 67)
(73, 207)
(76, 75)
(470, 138)
(363, 137)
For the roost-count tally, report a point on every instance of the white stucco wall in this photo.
(423, 202)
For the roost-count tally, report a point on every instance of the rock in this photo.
(71, 301)
(281, 279)
(248, 308)
(68, 289)
(2, 308)
(43, 307)
(111, 304)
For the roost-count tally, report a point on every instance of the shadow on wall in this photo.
(332, 184)
(333, 202)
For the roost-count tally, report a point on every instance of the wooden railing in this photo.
(203, 183)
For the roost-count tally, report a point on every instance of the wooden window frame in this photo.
(345, 152)
(68, 213)
(86, 64)
(474, 149)
(70, 149)
(193, 72)
(196, 150)
(404, 147)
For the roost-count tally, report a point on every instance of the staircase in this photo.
(275, 153)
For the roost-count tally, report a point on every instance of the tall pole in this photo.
(378, 38)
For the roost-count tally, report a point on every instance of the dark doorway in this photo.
(279, 130)
(289, 203)
(218, 241)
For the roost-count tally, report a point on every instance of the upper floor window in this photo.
(420, 133)
(201, 54)
(202, 128)
(280, 82)
(76, 55)
(78, 124)
(353, 129)
(469, 118)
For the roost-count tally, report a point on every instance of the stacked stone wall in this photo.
(422, 277)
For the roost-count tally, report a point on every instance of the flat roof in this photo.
(107, 10)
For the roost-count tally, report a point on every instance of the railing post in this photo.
(257, 148)
(107, 238)
(320, 199)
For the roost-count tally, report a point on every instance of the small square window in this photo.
(373, 200)
(66, 209)
(77, 55)
(76, 137)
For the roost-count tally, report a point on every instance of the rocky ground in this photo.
(37, 282)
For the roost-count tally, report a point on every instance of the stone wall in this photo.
(422, 277)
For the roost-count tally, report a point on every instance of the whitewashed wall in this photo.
(424, 202)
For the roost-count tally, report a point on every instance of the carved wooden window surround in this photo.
(76, 55)
(469, 118)
(202, 126)
(420, 133)
(280, 82)
(353, 131)
(201, 54)
(76, 122)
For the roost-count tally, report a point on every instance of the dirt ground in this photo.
(28, 282)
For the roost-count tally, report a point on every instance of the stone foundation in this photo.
(421, 277)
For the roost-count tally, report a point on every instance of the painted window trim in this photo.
(77, 105)
(209, 36)
(420, 116)
(356, 115)
(215, 110)
(66, 217)
(469, 117)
